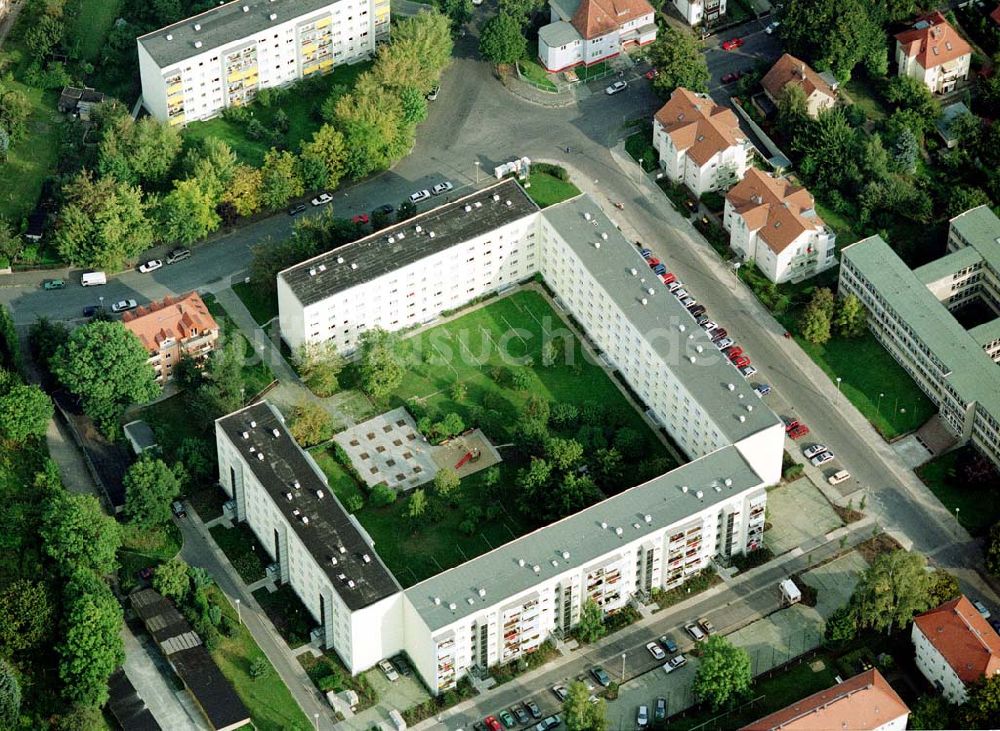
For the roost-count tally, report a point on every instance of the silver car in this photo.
(442, 188)
(420, 195)
(616, 87)
(124, 305)
(723, 343)
(822, 458)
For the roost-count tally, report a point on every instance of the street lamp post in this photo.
(879, 404)
(477, 172)
(839, 379)
(640, 169)
(623, 667)
(239, 615)
(316, 719)
(101, 300)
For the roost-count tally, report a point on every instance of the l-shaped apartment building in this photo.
(505, 603)
(910, 313)
(221, 58)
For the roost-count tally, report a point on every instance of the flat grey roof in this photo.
(974, 375)
(559, 33)
(141, 434)
(709, 377)
(221, 26)
(981, 228)
(441, 228)
(565, 8)
(986, 333)
(330, 528)
(947, 265)
(500, 574)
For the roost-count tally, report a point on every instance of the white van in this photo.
(837, 477)
(92, 279)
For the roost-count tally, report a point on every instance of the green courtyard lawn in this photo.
(343, 485)
(977, 509)
(863, 93)
(640, 147)
(271, 705)
(242, 549)
(533, 72)
(867, 370)
(248, 151)
(289, 615)
(147, 548)
(32, 159)
(546, 189)
(262, 308)
(92, 25)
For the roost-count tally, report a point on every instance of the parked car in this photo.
(93, 279)
(723, 343)
(646, 254)
(689, 301)
(691, 204)
(642, 717)
(673, 663)
(706, 324)
(124, 305)
(492, 723)
(982, 609)
(790, 423)
(748, 371)
(812, 450)
(432, 95)
(360, 220)
(601, 676)
(322, 199)
(720, 332)
(762, 389)
(54, 284)
(520, 713)
(839, 476)
(680, 293)
(549, 722)
(668, 644)
(668, 278)
(651, 74)
(652, 261)
(150, 266)
(442, 188)
(177, 508)
(695, 631)
(385, 209)
(478, 726)
(706, 625)
(697, 310)
(507, 719)
(822, 458)
(733, 351)
(560, 692)
(660, 710)
(773, 26)
(402, 666)
(178, 254)
(659, 270)
(731, 77)
(91, 310)
(656, 651)
(675, 285)
(420, 195)
(799, 431)
(732, 44)
(388, 670)
(297, 209)
(740, 361)
(533, 709)
(616, 87)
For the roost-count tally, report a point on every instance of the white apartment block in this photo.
(585, 32)
(701, 12)
(933, 52)
(700, 143)
(505, 603)
(775, 224)
(194, 69)
(909, 312)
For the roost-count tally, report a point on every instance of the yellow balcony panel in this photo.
(179, 119)
(309, 48)
(174, 88)
(324, 65)
(323, 22)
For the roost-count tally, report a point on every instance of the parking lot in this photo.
(797, 513)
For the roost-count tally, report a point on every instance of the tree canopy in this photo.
(724, 672)
(25, 412)
(77, 534)
(150, 486)
(502, 40)
(836, 35)
(381, 366)
(26, 615)
(580, 713)
(894, 588)
(679, 62)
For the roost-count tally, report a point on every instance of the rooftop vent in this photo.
(366, 558)
(604, 236)
(275, 432)
(296, 484)
(496, 197)
(749, 407)
(273, 16)
(296, 513)
(742, 418)
(305, 520)
(341, 549)
(170, 36)
(468, 208)
(699, 349)
(391, 239)
(740, 396)
(354, 265)
(260, 456)
(333, 560)
(197, 44)
(288, 496)
(246, 8)
(312, 271)
(342, 577)
(340, 260)
(520, 562)
(648, 518)
(319, 494)
(684, 488)
(245, 435)
(437, 601)
(636, 525)
(728, 482)
(731, 386)
(555, 564)
(619, 531)
(691, 359)
(650, 291)
(565, 555)
(431, 234)
(253, 424)
(482, 593)
(509, 204)
(351, 584)
(644, 301)
(699, 494)
(682, 327)
(634, 272)
(586, 216)
(418, 228)
(322, 267)
(536, 568)
(717, 488)
(478, 204)
(470, 601)
(197, 26)
(453, 606)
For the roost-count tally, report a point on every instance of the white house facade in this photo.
(701, 12)
(700, 143)
(933, 52)
(196, 68)
(585, 32)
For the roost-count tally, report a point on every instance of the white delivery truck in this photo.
(790, 593)
(92, 279)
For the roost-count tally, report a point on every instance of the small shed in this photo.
(790, 593)
(944, 124)
(140, 435)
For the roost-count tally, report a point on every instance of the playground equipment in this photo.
(470, 456)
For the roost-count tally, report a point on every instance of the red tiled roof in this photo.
(995, 15)
(789, 70)
(865, 701)
(774, 208)
(595, 18)
(699, 126)
(174, 318)
(965, 640)
(934, 42)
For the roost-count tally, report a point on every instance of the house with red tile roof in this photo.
(790, 70)
(865, 702)
(775, 223)
(955, 646)
(700, 143)
(933, 52)
(995, 15)
(585, 32)
(172, 327)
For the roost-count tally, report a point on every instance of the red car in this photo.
(492, 723)
(799, 431)
(791, 424)
(360, 219)
(740, 361)
(734, 351)
(731, 77)
(652, 261)
(731, 44)
(669, 278)
(651, 74)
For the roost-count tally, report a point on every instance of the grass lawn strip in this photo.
(533, 72)
(271, 705)
(640, 147)
(240, 546)
(976, 510)
(547, 190)
(263, 308)
(92, 25)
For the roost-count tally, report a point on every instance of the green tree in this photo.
(982, 709)
(932, 712)
(171, 579)
(223, 391)
(629, 443)
(76, 533)
(213, 164)
(92, 646)
(150, 486)
(532, 479)
(280, 179)
(905, 151)
(105, 365)
(187, 213)
(382, 495)
(15, 110)
(103, 223)
(573, 494)
(381, 367)
(320, 365)
(136, 152)
(961, 198)
(793, 111)
(446, 480)
(25, 412)
(11, 243)
(609, 468)
(259, 668)
(80, 718)
(244, 190)
(422, 46)
(10, 696)
(564, 454)
(894, 588)
(563, 415)
(26, 615)
(943, 587)
(841, 627)
(458, 11)
(851, 317)
(578, 711)
(992, 549)
(906, 92)
(723, 674)
(371, 120)
(416, 506)
(815, 323)
(459, 391)
(328, 150)
(591, 627)
(43, 36)
(836, 35)
(678, 59)
(502, 40)
(311, 424)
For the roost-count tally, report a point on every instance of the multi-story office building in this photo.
(775, 224)
(503, 604)
(700, 143)
(172, 327)
(910, 314)
(196, 68)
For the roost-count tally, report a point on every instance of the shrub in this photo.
(382, 495)
(554, 170)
